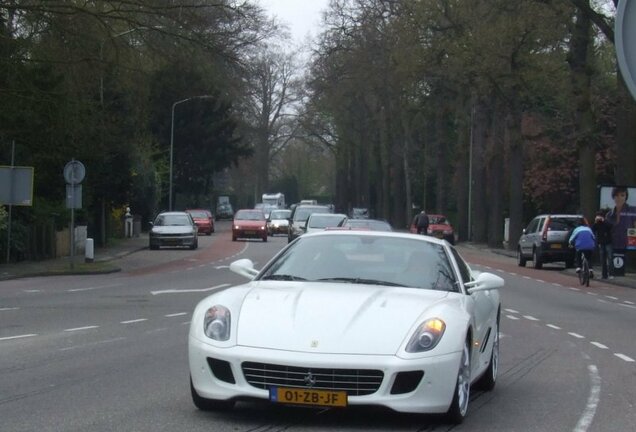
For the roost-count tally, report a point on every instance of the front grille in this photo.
(356, 382)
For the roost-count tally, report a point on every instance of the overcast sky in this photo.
(302, 16)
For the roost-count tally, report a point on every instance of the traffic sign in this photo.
(624, 40)
(74, 172)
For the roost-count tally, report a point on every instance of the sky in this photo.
(302, 16)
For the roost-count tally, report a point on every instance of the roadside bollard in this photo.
(89, 255)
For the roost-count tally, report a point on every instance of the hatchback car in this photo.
(438, 226)
(173, 229)
(249, 223)
(278, 222)
(545, 240)
(224, 211)
(203, 220)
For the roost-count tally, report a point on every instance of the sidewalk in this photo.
(105, 261)
(628, 281)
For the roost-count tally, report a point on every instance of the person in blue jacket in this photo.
(584, 242)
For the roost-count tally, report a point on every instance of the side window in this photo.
(532, 226)
(541, 223)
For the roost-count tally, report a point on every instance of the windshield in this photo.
(280, 214)
(172, 220)
(365, 259)
(249, 215)
(437, 220)
(198, 214)
(302, 213)
(324, 221)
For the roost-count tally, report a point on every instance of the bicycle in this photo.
(585, 273)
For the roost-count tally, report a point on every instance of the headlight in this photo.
(427, 336)
(263, 227)
(236, 227)
(216, 324)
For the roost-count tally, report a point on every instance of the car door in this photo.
(526, 241)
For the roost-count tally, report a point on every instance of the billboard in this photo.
(615, 203)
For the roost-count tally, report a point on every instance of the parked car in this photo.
(368, 224)
(320, 221)
(438, 226)
(224, 211)
(249, 223)
(299, 217)
(173, 229)
(545, 240)
(298, 332)
(203, 220)
(278, 222)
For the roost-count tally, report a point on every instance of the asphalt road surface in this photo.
(109, 352)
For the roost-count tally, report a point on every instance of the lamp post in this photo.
(172, 141)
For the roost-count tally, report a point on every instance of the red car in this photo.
(438, 226)
(249, 223)
(203, 220)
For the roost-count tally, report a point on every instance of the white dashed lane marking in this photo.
(530, 318)
(512, 317)
(576, 335)
(81, 328)
(8, 309)
(552, 326)
(599, 345)
(624, 357)
(176, 314)
(134, 321)
(16, 337)
(511, 311)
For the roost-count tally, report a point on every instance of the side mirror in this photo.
(523, 231)
(151, 224)
(244, 267)
(483, 282)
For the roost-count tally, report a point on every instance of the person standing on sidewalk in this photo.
(422, 223)
(602, 229)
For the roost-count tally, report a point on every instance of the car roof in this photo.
(393, 234)
(334, 215)
(170, 213)
(552, 215)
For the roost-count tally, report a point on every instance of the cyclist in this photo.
(584, 242)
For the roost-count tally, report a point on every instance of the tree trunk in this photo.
(625, 135)
(479, 196)
(461, 171)
(515, 162)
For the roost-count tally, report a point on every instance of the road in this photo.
(109, 353)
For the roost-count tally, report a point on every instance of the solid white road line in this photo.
(176, 314)
(16, 337)
(576, 335)
(81, 328)
(592, 400)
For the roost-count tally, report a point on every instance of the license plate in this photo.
(556, 246)
(296, 396)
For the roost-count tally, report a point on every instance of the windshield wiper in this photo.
(284, 277)
(360, 281)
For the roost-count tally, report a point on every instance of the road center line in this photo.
(624, 357)
(599, 345)
(17, 337)
(81, 328)
(134, 321)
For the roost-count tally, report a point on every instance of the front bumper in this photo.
(172, 240)
(433, 394)
(249, 233)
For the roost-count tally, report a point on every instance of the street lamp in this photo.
(172, 140)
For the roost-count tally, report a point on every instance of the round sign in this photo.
(625, 35)
(618, 262)
(74, 172)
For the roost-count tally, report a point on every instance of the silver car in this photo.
(173, 229)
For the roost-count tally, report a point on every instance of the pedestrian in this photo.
(422, 223)
(602, 229)
(584, 242)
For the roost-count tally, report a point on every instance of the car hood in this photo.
(172, 229)
(280, 221)
(331, 317)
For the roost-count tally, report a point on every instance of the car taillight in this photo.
(544, 235)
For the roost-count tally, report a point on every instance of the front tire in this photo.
(459, 406)
(209, 404)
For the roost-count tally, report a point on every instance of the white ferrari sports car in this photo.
(341, 318)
